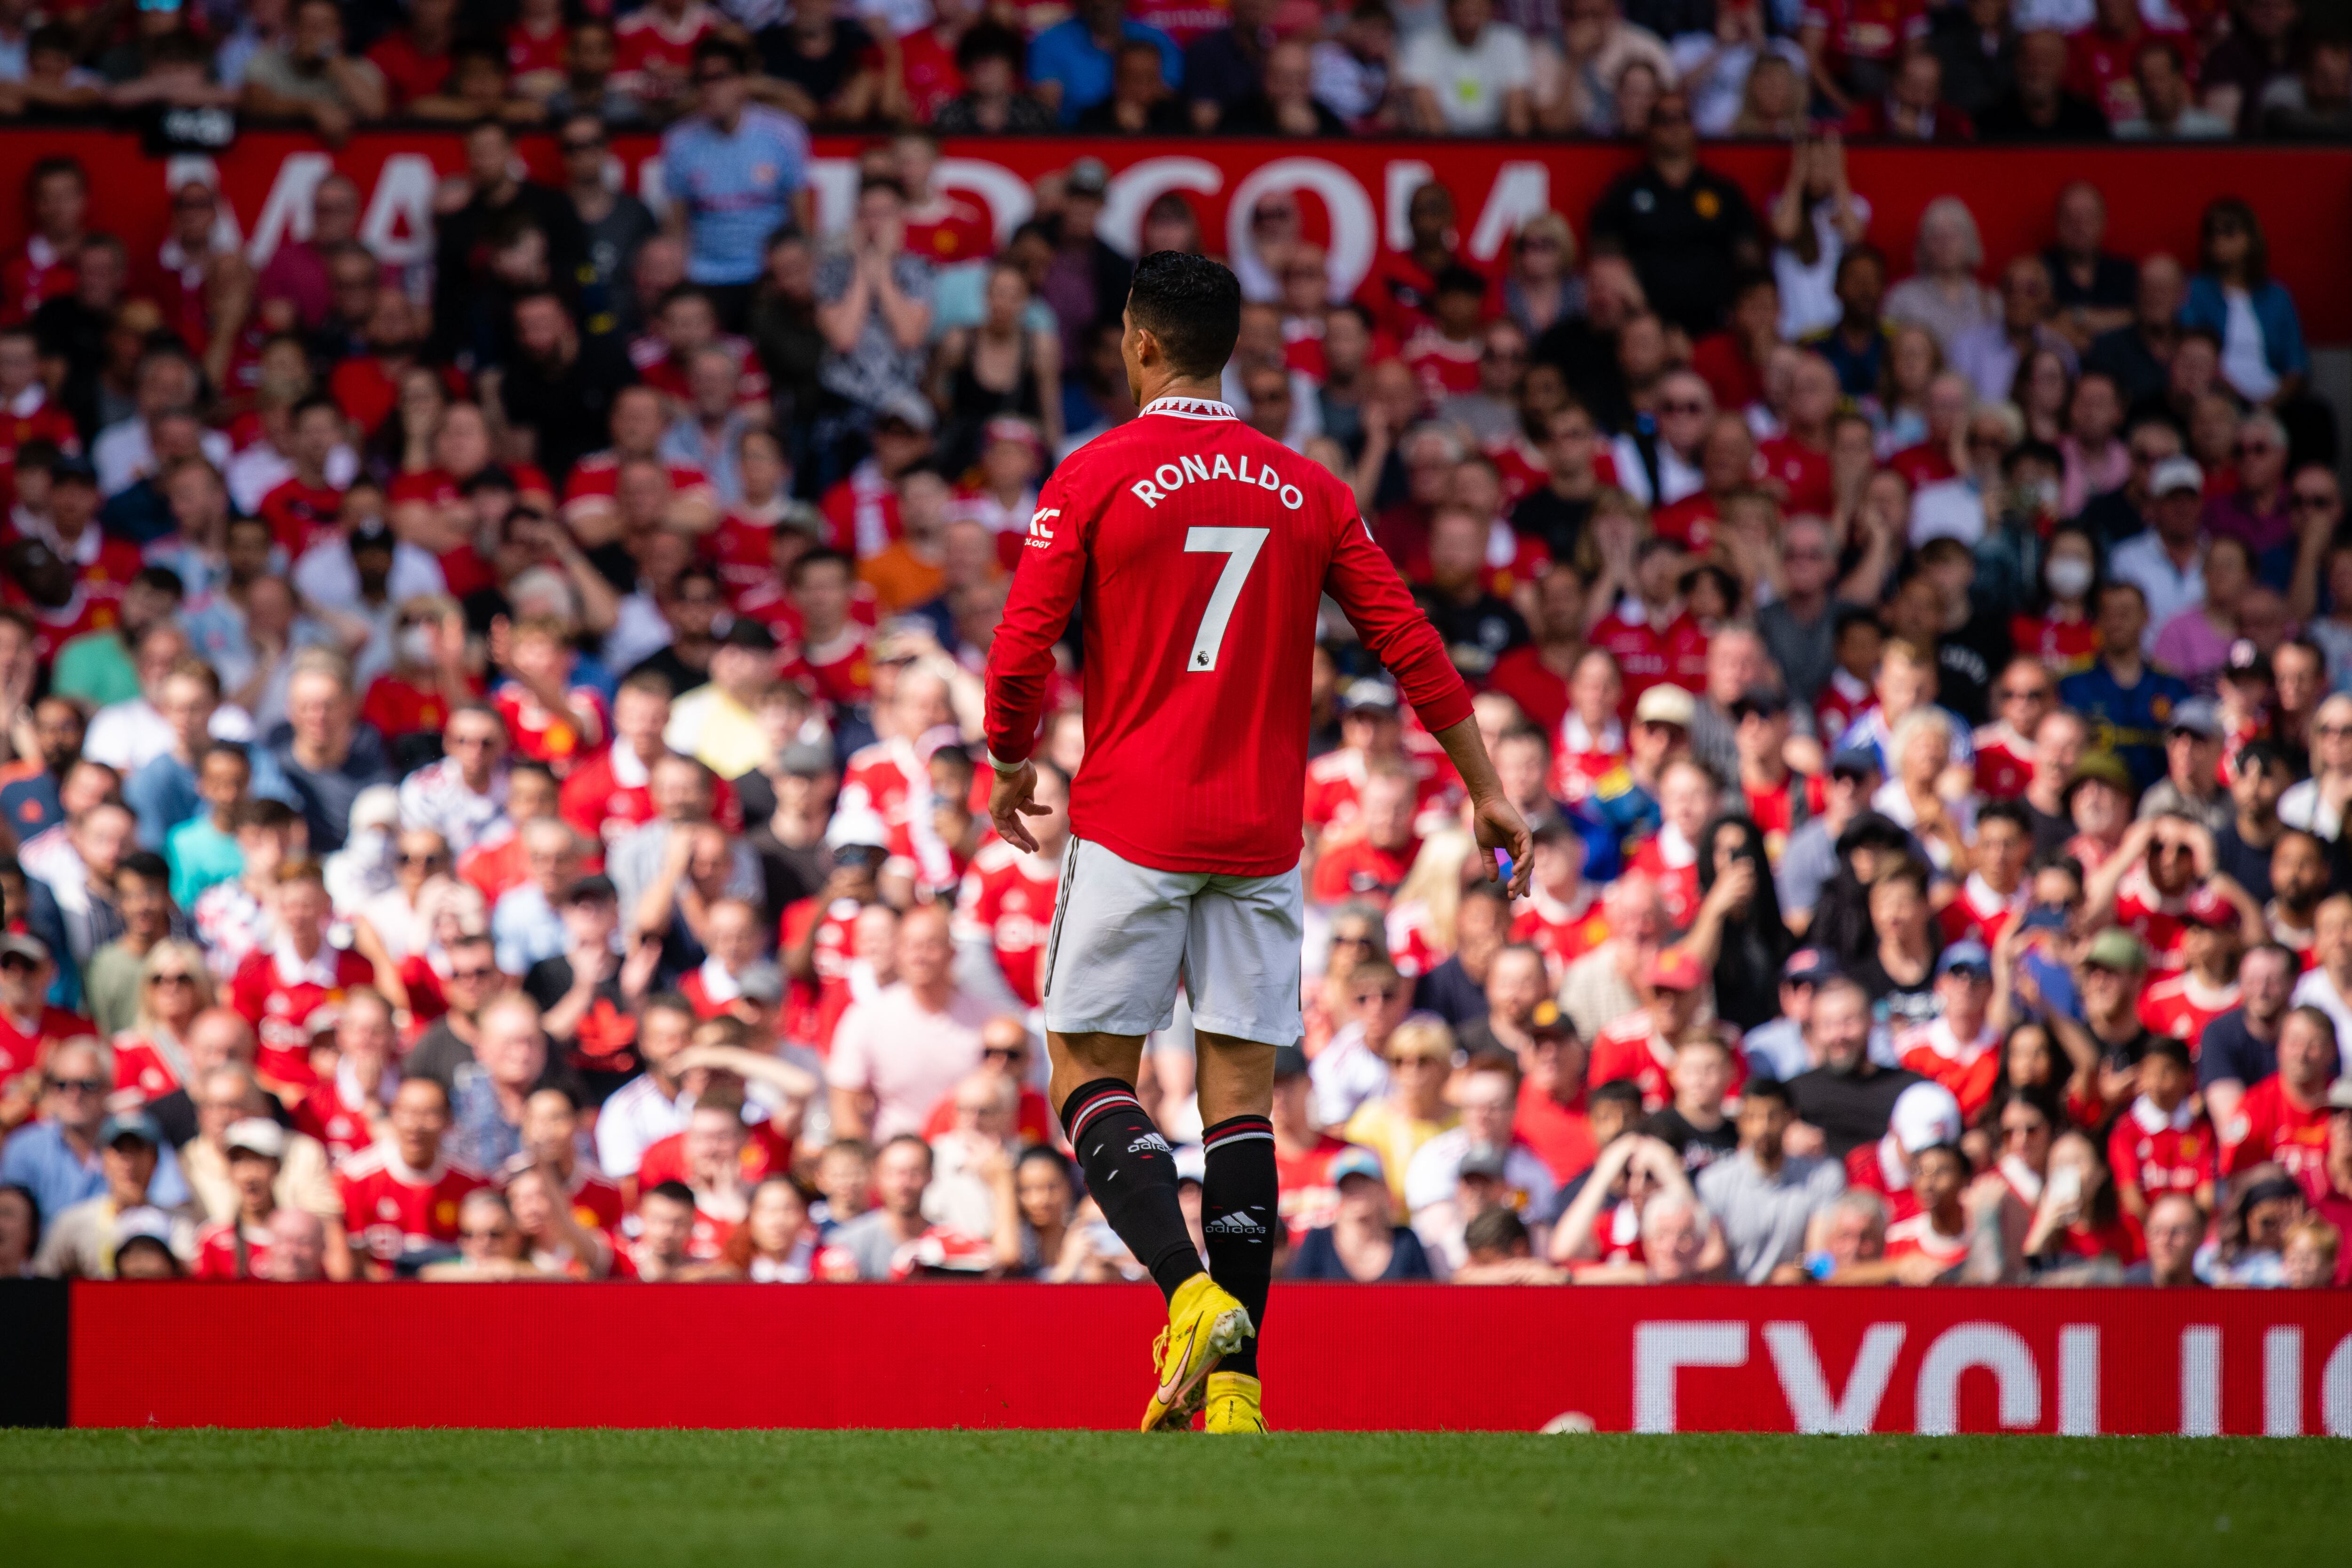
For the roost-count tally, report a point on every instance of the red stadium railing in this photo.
(1337, 1357)
(2304, 196)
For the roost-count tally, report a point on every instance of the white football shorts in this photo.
(1123, 935)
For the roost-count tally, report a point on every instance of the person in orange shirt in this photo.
(912, 569)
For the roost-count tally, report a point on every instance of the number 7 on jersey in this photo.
(1240, 547)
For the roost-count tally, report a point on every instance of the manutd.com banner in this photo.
(1353, 193)
(1336, 1357)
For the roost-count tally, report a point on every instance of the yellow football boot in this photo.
(1234, 1405)
(1205, 1324)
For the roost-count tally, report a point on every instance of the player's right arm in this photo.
(1045, 591)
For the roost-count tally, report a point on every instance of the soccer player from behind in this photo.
(1201, 550)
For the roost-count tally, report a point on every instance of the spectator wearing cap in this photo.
(1363, 1243)
(30, 1026)
(1845, 1102)
(1763, 1197)
(237, 1247)
(2192, 762)
(1778, 1049)
(1071, 64)
(717, 723)
(1958, 1049)
(2166, 562)
(79, 1243)
(1639, 1046)
(1369, 734)
(1627, 799)
(57, 1158)
(2127, 701)
(1922, 1116)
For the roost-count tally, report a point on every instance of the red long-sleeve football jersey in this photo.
(1201, 549)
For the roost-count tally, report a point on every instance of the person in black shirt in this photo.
(1848, 1099)
(2038, 109)
(689, 607)
(560, 386)
(1556, 514)
(1455, 990)
(2094, 292)
(464, 239)
(818, 57)
(585, 1008)
(1477, 627)
(1694, 1126)
(2240, 1048)
(1899, 973)
(2259, 775)
(1687, 230)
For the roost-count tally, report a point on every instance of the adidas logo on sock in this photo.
(1235, 1223)
(1150, 1140)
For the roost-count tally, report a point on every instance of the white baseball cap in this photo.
(1925, 1114)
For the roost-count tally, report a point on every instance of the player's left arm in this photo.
(1046, 588)
(1365, 582)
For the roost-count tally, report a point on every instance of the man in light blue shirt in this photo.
(736, 173)
(1070, 63)
(525, 925)
(59, 1159)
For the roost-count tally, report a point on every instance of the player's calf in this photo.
(1131, 1175)
(1241, 1202)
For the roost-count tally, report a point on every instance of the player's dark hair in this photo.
(1193, 305)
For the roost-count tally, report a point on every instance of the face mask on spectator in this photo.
(417, 644)
(2069, 577)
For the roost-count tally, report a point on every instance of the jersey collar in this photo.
(1191, 408)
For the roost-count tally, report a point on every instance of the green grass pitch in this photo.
(352, 1498)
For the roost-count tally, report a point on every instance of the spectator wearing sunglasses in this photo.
(58, 1158)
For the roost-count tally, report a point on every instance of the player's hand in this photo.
(1498, 826)
(1009, 801)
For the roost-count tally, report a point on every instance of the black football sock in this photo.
(1131, 1175)
(1241, 1202)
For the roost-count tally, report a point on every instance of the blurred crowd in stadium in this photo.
(1908, 69)
(489, 747)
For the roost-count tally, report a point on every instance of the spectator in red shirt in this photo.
(1370, 865)
(401, 1196)
(46, 266)
(415, 60)
(2283, 1118)
(29, 1027)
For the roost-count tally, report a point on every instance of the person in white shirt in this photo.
(1470, 76)
(1351, 1070)
(462, 797)
(2166, 562)
(2328, 987)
